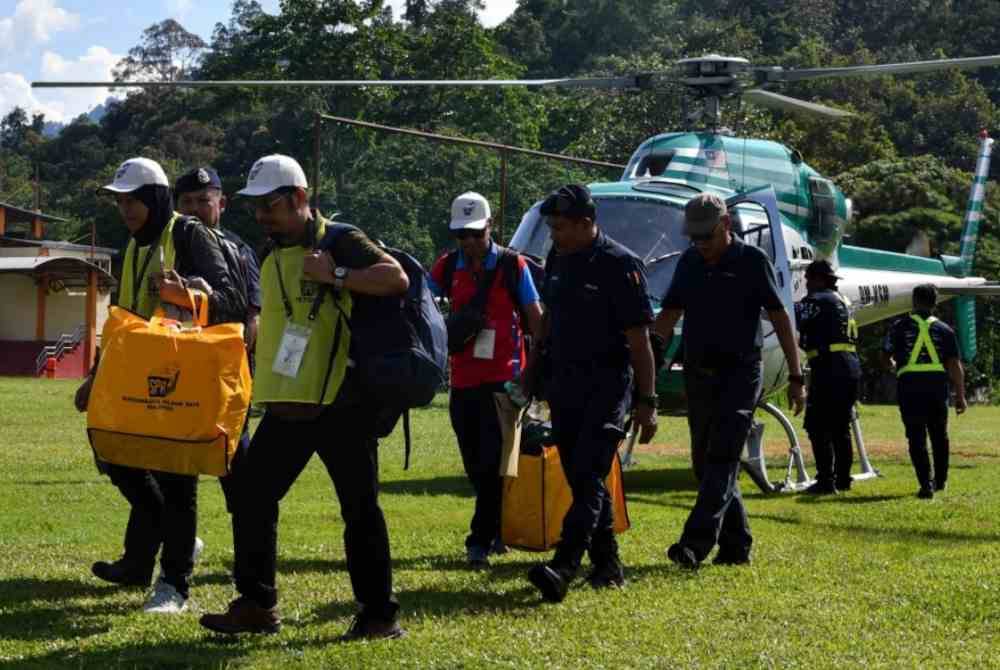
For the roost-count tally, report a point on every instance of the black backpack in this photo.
(399, 343)
(507, 262)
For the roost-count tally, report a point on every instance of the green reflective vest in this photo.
(324, 363)
(136, 293)
(923, 342)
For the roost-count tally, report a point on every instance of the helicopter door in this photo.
(757, 222)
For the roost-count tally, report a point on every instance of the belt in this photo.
(832, 349)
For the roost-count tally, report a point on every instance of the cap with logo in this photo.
(702, 213)
(821, 268)
(469, 211)
(272, 172)
(572, 200)
(135, 173)
(196, 180)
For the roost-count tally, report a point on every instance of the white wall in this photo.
(17, 307)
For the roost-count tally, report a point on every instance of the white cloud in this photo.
(60, 104)
(35, 22)
(178, 9)
(495, 13)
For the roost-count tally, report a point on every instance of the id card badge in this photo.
(485, 346)
(291, 350)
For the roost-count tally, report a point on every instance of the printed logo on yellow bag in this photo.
(163, 384)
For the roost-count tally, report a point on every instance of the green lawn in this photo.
(872, 578)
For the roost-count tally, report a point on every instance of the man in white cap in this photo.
(303, 380)
(165, 251)
(493, 297)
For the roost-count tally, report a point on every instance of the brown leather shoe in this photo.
(244, 616)
(365, 628)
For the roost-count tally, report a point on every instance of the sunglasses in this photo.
(469, 234)
(703, 237)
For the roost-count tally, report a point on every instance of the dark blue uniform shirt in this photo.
(823, 319)
(250, 266)
(722, 304)
(901, 339)
(593, 296)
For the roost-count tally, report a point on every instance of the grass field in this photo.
(871, 578)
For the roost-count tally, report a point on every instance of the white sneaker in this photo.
(165, 600)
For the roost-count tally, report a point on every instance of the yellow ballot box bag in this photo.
(168, 397)
(536, 501)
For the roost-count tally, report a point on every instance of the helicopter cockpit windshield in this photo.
(651, 229)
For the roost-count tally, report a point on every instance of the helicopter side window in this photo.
(751, 224)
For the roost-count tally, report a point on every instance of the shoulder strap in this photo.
(450, 263)
(511, 276)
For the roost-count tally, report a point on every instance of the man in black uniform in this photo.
(828, 334)
(596, 320)
(926, 358)
(720, 287)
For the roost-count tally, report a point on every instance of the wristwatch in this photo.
(649, 400)
(339, 276)
(798, 379)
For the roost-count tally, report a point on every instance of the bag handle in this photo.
(199, 315)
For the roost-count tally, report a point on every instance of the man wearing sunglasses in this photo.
(493, 299)
(721, 286)
(597, 314)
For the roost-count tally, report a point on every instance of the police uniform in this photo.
(592, 297)
(828, 335)
(921, 344)
(722, 339)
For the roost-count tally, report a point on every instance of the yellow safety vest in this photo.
(135, 292)
(924, 341)
(328, 329)
(852, 333)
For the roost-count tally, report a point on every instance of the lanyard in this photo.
(317, 301)
(139, 275)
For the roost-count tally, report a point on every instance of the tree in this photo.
(167, 52)
(14, 129)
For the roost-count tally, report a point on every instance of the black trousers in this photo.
(164, 511)
(343, 439)
(829, 407)
(926, 414)
(721, 405)
(477, 427)
(588, 419)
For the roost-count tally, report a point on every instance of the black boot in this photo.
(553, 578)
(608, 571)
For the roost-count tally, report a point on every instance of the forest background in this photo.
(905, 157)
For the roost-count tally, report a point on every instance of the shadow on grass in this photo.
(22, 619)
(847, 499)
(889, 534)
(437, 486)
(171, 654)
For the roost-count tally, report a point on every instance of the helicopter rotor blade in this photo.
(778, 74)
(634, 82)
(786, 104)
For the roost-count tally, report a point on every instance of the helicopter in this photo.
(776, 201)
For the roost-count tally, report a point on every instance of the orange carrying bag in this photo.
(168, 397)
(536, 501)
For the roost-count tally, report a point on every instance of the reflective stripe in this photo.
(833, 348)
(923, 341)
(852, 324)
(146, 298)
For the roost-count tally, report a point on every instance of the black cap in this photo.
(571, 200)
(196, 180)
(821, 269)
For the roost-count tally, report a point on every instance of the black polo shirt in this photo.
(901, 339)
(593, 296)
(722, 303)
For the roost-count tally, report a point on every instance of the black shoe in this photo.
(367, 628)
(844, 485)
(121, 573)
(683, 556)
(553, 583)
(478, 557)
(926, 492)
(608, 575)
(939, 486)
(726, 558)
(822, 489)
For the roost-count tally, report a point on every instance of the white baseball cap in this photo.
(136, 173)
(272, 172)
(469, 211)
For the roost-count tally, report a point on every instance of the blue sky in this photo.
(84, 39)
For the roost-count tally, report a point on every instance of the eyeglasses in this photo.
(265, 205)
(469, 234)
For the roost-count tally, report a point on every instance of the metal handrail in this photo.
(66, 342)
